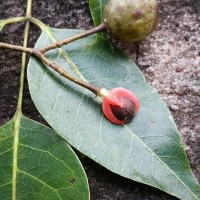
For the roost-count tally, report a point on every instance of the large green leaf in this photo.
(47, 168)
(147, 150)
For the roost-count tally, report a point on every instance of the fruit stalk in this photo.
(100, 28)
(63, 73)
(40, 55)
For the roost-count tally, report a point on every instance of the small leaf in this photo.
(47, 168)
(147, 150)
(96, 7)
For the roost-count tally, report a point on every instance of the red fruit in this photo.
(120, 105)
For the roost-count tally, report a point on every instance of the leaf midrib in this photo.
(17, 120)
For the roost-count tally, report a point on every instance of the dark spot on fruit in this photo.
(137, 14)
(126, 112)
(131, 13)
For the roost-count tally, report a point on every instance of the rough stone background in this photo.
(169, 58)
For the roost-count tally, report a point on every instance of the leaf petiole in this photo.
(12, 20)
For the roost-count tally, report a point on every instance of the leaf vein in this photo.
(45, 184)
(6, 151)
(157, 157)
(40, 150)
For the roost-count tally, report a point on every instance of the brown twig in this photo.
(100, 28)
(62, 72)
(40, 55)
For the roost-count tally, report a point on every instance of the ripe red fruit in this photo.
(120, 105)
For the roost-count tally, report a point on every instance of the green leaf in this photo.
(96, 8)
(47, 168)
(147, 150)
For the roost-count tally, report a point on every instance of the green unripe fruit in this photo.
(131, 20)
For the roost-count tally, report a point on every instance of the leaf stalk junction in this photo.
(40, 53)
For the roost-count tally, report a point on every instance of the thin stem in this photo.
(47, 30)
(43, 26)
(102, 27)
(40, 53)
(18, 113)
(41, 56)
(16, 48)
(11, 20)
(28, 14)
(58, 69)
(26, 33)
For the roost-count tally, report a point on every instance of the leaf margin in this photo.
(172, 119)
(23, 120)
